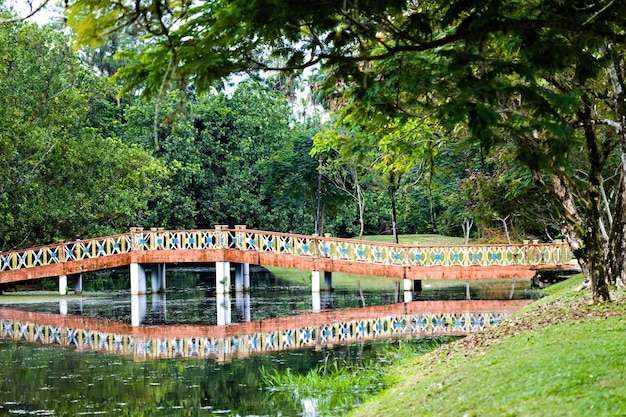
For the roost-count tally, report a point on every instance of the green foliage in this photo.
(233, 159)
(407, 77)
(58, 178)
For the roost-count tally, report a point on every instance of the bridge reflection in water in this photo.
(225, 342)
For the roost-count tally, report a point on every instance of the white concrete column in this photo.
(138, 305)
(78, 284)
(317, 302)
(408, 296)
(137, 279)
(223, 309)
(222, 277)
(63, 284)
(158, 278)
(408, 284)
(238, 277)
(246, 277)
(315, 281)
(63, 307)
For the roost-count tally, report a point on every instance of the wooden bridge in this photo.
(153, 249)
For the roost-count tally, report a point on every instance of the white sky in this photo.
(24, 8)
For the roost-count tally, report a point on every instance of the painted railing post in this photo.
(538, 256)
(132, 240)
(526, 251)
(240, 236)
(77, 251)
(221, 233)
(153, 239)
(61, 254)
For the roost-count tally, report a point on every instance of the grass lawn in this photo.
(560, 356)
(421, 239)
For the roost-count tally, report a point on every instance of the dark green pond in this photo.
(59, 381)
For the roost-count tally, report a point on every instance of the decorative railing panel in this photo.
(241, 239)
(250, 343)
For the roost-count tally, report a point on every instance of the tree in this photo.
(545, 77)
(60, 179)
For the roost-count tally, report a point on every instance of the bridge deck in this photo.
(416, 262)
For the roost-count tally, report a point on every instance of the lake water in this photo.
(60, 381)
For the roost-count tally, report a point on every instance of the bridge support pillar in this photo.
(328, 281)
(137, 279)
(408, 290)
(78, 284)
(223, 309)
(63, 284)
(63, 307)
(242, 301)
(316, 302)
(242, 277)
(222, 277)
(138, 305)
(246, 276)
(158, 278)
(315, 281)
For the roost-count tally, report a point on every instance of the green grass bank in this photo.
(560, 356)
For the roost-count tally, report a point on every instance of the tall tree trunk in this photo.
(595, 245)
(467, 229)
(361, 203)
(394, 223)
(584, 239)
(617, 241)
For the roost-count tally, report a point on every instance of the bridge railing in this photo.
(240, 238)
(525, 254)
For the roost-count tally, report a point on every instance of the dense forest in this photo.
(79, 160)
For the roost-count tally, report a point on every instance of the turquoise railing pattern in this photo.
(526, 254)
(225, 347)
